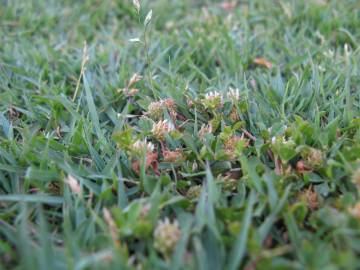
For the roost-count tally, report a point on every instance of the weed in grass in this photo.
(183, 135)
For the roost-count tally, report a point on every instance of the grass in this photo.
(265, 177)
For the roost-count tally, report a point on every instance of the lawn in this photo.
(179, 134)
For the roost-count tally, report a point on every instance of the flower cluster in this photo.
(311, 198)
(205, 129)
(194, 192)
(161, 128)
(315, 158)
(173, 156)
(140, 147)
(233, 94)
(166, 235)
(231, 143)
(229, 183)
(156, 108)
(213, 100)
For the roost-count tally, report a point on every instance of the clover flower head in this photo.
(213, 100)
(315, 158)
(194, 192)
(173, 156)
(142, 145)
(155, 109)
(231, 143)
(166, 235)
(205, 129)
(233, 94)
(162, 127)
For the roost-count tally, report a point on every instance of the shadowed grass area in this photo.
(179, 135)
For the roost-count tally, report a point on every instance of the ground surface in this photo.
(101, 168)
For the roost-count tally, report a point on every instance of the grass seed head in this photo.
(134, 79)
(73, 185)
(205, 129)
(137, 6)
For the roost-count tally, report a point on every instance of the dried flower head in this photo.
(356, 178)
(355, 210)
(315, 158)
(73, 185)
(234, 116)
(311, 198)
(155, 109)
(231, 143)
(233, 94)
(205, 129)
(173, 156)
(160, 128)
(169, 103)
(166, 235)
(302, 167)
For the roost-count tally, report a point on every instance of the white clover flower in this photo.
(141, 145)
(166, 235)
(213, 100)
(213, 95)
(162, 127)
(233, 94)
(155, 108)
